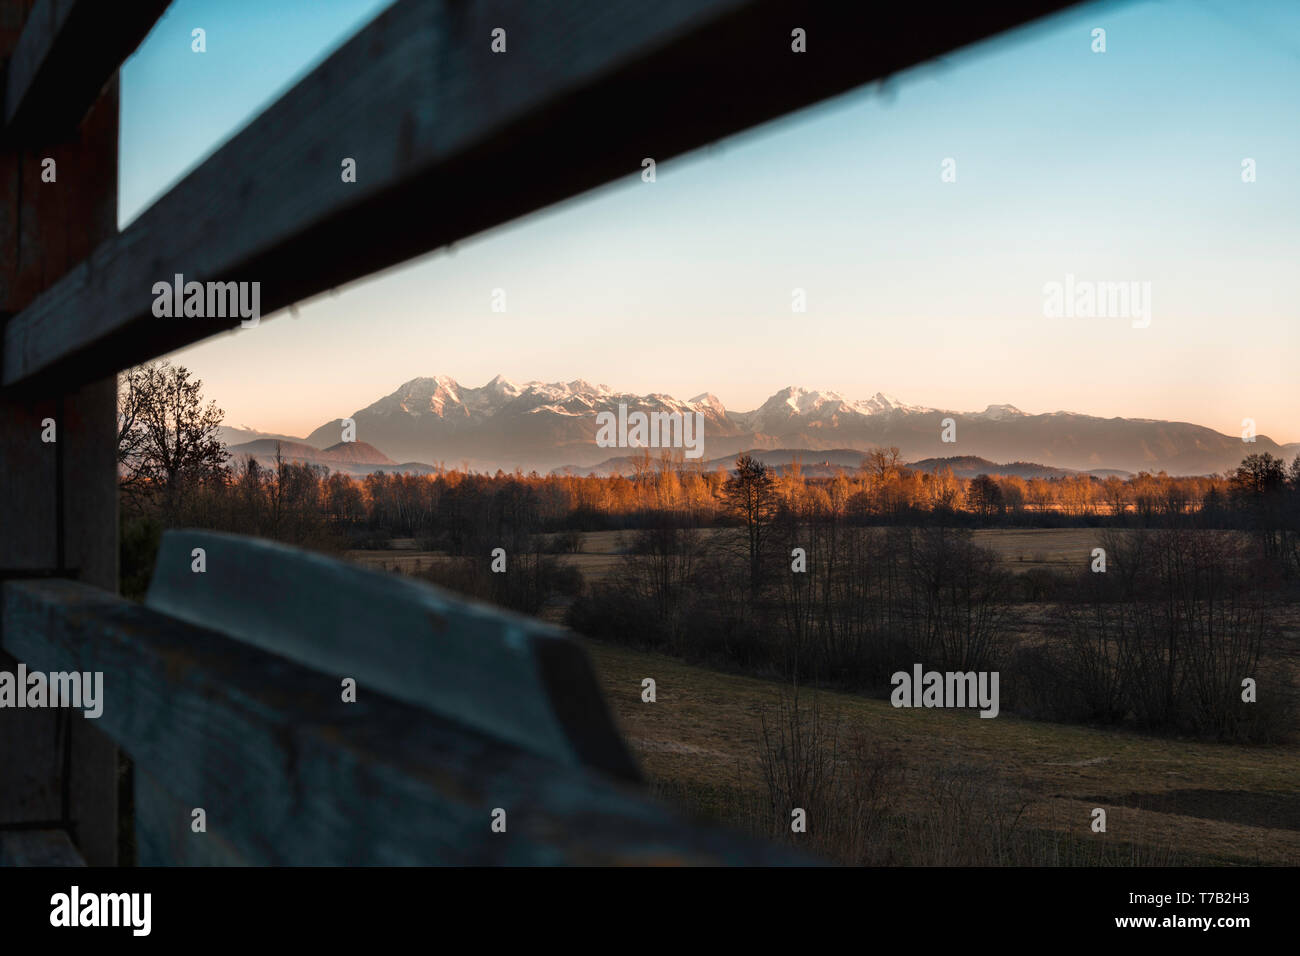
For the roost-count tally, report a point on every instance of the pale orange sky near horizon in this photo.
(1121, 167)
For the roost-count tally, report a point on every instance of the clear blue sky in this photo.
(1111, 167)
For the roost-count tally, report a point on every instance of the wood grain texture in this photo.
(67, 52)
(38, 848)
(58, 501)
(31, 768)
(451, 139)
(165, 834)
(28, 479)
(289, 774)
(510, 676)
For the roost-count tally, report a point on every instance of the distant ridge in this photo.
(230, 435)
(826, 464)
(543, 426)
(351, 458)
(968, 466)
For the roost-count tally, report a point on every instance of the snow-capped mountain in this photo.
(502, 424)
(804, 408)
(541, 425)
(997, 413)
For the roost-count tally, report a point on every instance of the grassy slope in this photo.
(1213, 803)
(1209, 803)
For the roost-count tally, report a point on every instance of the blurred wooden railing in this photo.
(227, 689)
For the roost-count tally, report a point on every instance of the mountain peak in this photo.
(709, 400)
(500, 385)
(996, 413)
(428, 383)
(537, 424)
(880, 402)
(581, 386)
(804, 400)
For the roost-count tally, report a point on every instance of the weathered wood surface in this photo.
(68, 51)
(38, 848)
(451, 139)
(289, 774)
(164, 834)
(512, 677)
(58, 500)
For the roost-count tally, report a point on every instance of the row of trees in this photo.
(1162, 640)
(1261, 495)
(171, 458)
(1168, 634)
(453, 509)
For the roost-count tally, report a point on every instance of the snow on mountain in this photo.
(542, 425)
(710, 401)
(996, 413)
(447, 399)
(800, 407)
(880, 403)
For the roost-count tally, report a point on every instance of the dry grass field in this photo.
(1021, 549)
(1168, 801)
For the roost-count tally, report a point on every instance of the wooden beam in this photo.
(68, 51)
(58, 455)
(450, 139)
(163, 825)
(513, 677)
(289, 774)
(38, 848)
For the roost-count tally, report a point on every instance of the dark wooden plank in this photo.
(38, 848)
(31, 766)
(68, 51)
(47, 228)
(512, 677)
(58, 500)
(165, 835)
(451, 139)
(289, 774)
(28, 470)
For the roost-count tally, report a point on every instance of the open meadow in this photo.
(940, 786)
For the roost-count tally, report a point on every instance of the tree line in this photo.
(174, 467)
(890, 571)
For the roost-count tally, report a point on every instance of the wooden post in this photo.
(58, 500)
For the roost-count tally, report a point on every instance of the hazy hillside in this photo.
(825, 464)
(968, 466)
(545, 426)
(352, 458)
(231, 435)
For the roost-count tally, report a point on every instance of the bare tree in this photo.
(882, 464)
(166, 435)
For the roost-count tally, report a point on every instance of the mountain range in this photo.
(356, 458)
(544, 426)
(826, 464)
